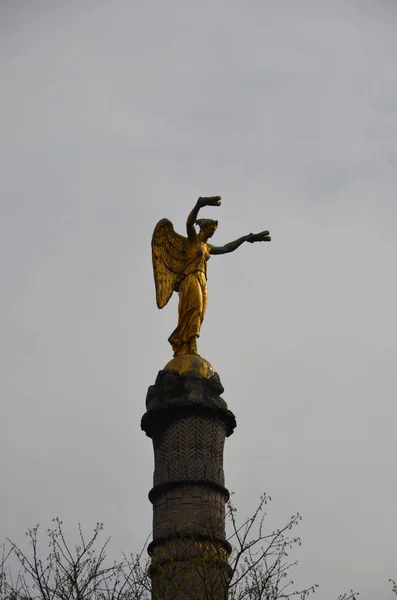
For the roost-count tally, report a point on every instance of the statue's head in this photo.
(207, 227)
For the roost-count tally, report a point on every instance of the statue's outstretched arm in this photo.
(263, 236)
(192, 218)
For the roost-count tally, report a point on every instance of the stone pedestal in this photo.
(188, 422)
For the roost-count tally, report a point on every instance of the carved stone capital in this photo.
(174, 395)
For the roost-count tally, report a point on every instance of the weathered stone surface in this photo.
(190, 510)
(190, 449)
(173, 392)
(188, 422)
(190, 387)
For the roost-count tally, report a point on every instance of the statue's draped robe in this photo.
(192, 300)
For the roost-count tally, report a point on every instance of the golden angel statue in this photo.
(180, 265)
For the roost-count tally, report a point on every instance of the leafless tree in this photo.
(260, 563)
(258, 567)
(67, 573)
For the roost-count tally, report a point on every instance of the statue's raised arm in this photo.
(192, 218)
(180, 264)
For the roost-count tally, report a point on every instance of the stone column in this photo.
(188, 421)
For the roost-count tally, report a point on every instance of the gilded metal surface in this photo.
(180, 265)
(190, 362)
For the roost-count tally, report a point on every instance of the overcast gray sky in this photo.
(116, 114)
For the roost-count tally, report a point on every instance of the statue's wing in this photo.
(169, 259)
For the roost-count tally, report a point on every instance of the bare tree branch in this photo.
(258, 567)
